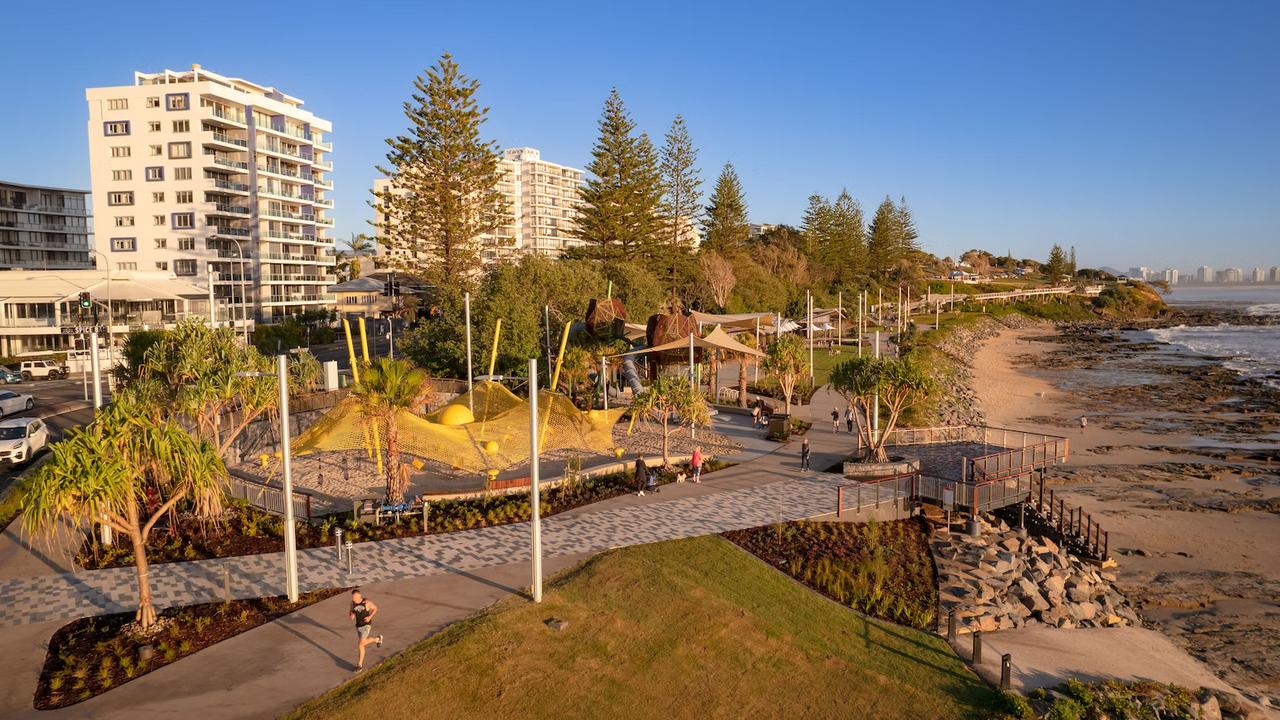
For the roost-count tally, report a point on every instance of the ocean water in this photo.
(1252, 350)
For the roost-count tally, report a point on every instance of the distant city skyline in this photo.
(1001, 131)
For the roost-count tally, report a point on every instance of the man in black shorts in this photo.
(362, 611)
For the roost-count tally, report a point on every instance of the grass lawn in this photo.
(681, 629)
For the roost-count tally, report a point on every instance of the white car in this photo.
(21, 439)
(12, 402)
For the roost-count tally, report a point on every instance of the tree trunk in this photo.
(742, 383)
(395, 484)
(666, 435)
(146, 615)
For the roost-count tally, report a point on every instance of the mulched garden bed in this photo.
(882, 569)
(244, 530)
(90, 656)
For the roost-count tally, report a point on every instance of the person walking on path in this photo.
(848, 419)
(362, 611)
(804, 454)
(695, 464)
(835, 420)
(755, 415)
(1084, 422)
(642, 472)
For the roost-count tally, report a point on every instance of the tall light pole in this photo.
(290, 532)
(535, 522)
(466, 312)
(244, 293)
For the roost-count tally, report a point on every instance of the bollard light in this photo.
(337, 543)
(349, 564)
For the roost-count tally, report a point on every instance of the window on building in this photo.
(119, 127)
(156, 150)
(157, 220)
(157, 197)
(179, 150)
(176, 101)
(155, 173)
(186, 243)
(124, 221)
(153, 101)
(127, 266)
(124, 244)
(153, 126)
(120, 198)
(162, 264)
(161, 243)
(181, 126)
(184, 221)
(185, 196)
(184, 267)
(120, 175)
(118, 104)
(120, 151)
(182, 173)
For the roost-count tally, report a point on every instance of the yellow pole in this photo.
(351, 351)
(493, 352)
(377, 441)
(564, 340)
(364, 341)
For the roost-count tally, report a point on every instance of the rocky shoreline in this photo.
(1181, 460)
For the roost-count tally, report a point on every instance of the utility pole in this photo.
(290, 539)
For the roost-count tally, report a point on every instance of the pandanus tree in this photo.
(209, 380)
(127, 469)
(786, 362)
(672, 402)
(386, 389)
(899, 384)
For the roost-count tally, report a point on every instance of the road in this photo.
(49, 396)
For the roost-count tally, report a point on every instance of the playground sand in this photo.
(1191, 497)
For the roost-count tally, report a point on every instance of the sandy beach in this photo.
(1177, 467)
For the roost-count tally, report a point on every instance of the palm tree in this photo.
(128, 469)
(386, 389)
(358, 245)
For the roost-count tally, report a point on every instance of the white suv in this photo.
(21, 439)
(42, 369)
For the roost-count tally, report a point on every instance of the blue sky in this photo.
(1139, 132)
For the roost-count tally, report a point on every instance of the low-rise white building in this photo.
(43, 311)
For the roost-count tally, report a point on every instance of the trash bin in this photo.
(779, 426)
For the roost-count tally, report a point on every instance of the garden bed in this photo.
(90, 656)
(245, 530)
(882, 569)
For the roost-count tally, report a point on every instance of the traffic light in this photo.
(86, 301)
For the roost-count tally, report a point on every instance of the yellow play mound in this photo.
(496, 438)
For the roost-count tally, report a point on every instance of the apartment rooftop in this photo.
(199, 74)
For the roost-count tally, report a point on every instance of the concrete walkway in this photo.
(421, 585)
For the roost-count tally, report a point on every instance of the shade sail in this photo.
(740, 321)
(717, 339)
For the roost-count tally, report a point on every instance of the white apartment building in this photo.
(1141, 273)
(1170, 275)
(43, 228)
(1204, 274)
(218, 180)
(1274, 274)
(543, 200)
(1231, 275)
(1259, 275)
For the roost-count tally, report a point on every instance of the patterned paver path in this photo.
(71, 595)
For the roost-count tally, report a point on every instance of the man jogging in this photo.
(362, 611)
(695, 464)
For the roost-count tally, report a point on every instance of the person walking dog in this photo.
(362, 611)
(695, 464)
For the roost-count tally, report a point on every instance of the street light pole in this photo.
(466, 309)
(290, 539)
(244, 294)
(535, 523)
